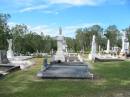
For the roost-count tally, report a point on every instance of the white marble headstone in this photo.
(125, 44)
(93, 49)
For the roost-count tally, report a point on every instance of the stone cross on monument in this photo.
(60, 31)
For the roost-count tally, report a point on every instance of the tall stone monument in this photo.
(125, 44)
(108, 46)
(10, 54)
(60, 53)
(92, 54)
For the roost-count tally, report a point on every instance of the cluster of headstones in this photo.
(124, 50)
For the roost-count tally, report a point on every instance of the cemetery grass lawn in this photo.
(112, 80)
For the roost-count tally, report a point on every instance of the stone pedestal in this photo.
(10, 54)
(60, 54)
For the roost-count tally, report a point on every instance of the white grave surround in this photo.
(93, 54)
(22, 61)
(107, 56)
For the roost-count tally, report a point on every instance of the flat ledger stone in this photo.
(65, 71)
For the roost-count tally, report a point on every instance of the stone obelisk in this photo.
(92, 54)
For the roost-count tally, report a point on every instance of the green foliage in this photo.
(84, 37)
(112, 34)
(71, 43)
(4, 30)
(26, 41)
(128, 32)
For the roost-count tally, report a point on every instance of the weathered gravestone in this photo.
(3, 57)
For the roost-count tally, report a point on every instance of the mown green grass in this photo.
(112, 79)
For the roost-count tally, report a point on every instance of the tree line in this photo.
(26, 41)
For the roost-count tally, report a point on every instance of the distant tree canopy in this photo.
(84, 36)
(4, 30)
(25, 41)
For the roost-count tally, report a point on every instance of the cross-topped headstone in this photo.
(60, 31)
